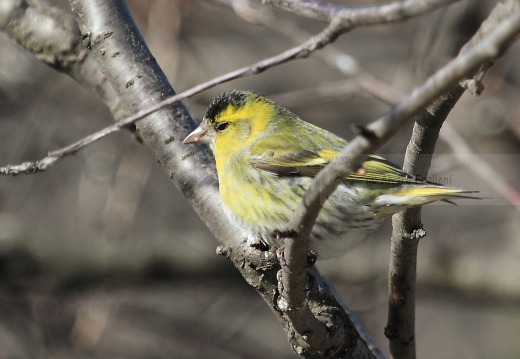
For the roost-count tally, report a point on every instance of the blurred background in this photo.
(101, 257)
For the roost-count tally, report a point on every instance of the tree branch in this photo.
(359, 16)
(330, 55)
(52, 35)
(408, 230)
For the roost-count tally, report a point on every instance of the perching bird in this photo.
(267, 157)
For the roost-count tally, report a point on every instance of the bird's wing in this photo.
(299, 163)
(376, 169)
(308, 163)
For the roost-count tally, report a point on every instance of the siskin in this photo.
(266, 158)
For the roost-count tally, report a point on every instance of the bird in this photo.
(266, 158)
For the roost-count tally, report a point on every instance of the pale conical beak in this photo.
(199, 135)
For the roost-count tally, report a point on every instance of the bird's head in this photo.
(232, 121)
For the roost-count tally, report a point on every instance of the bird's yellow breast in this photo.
(255, 198)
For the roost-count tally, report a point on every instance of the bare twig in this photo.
(311, 9)
(369, 15)
(331, 55)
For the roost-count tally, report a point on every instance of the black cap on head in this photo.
(235, 98)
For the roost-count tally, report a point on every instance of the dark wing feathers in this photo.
(307, 163)
(302, 163)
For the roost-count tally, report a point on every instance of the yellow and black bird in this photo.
(267, 157)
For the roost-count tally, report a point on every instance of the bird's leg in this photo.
(258, 243)
(312, 257)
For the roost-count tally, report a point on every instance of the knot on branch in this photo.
(417, 234)
(474, 86)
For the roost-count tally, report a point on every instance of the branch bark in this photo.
(408, 230)
(27, 22)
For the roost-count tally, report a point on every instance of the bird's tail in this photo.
(408, 196)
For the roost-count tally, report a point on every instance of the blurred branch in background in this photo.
(353, 17)
(466, 155)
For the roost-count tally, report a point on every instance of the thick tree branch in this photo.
(407, 230)
(52, 35)
(118, 47)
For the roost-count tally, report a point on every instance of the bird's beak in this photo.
(199, 135)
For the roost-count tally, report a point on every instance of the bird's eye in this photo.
(221, 126)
